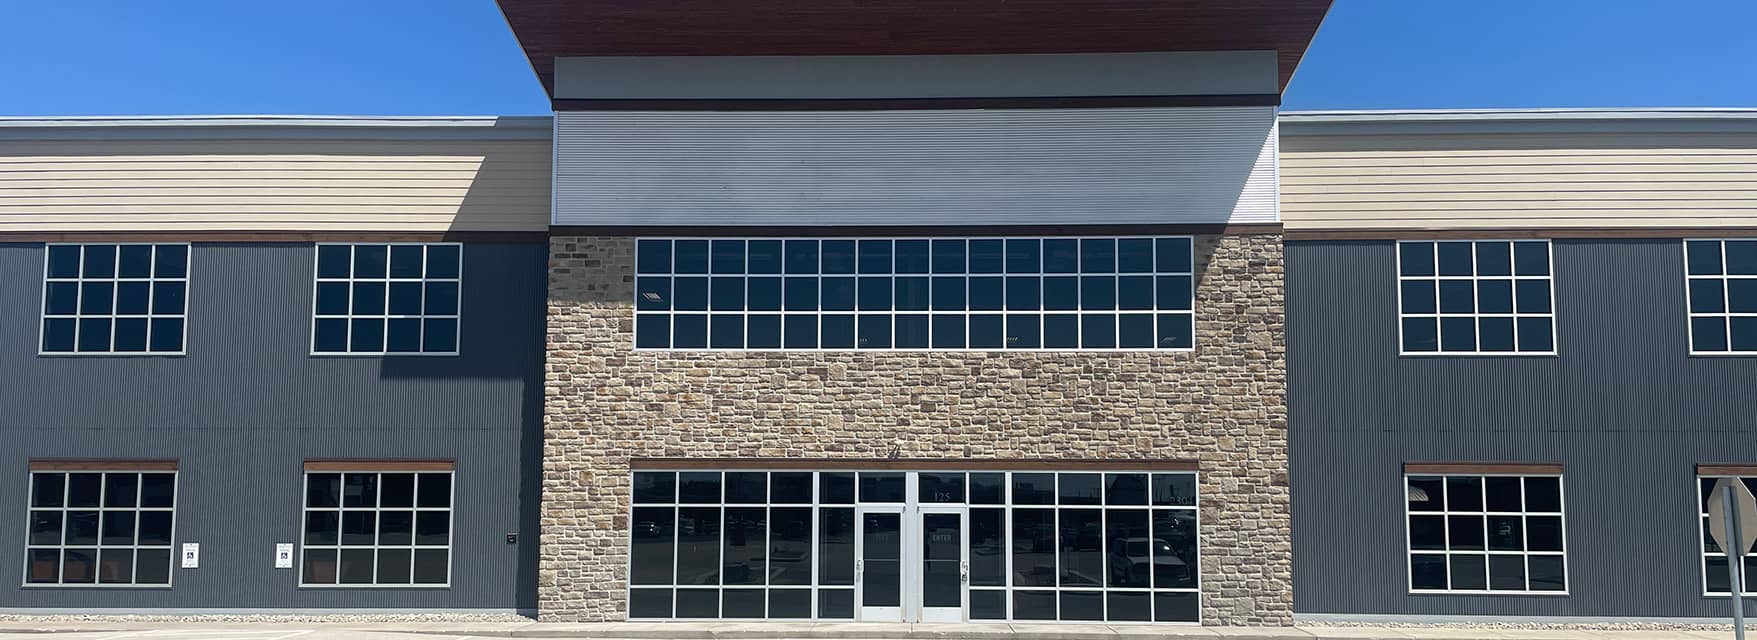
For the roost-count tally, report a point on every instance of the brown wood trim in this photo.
(57, 464)
(380, 465)
(893, 104)
(1523, 468)
(914, 464)
(917, 231)
(1520, 234)
(276, 236)
(1726, 469)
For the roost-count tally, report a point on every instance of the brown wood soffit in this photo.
(379, 465)
(57, 464)
(1520, 468)
(1082, 102)
(913, 464)
(919, 231)
(1726, 469)
(1519, 234)
(550, 28)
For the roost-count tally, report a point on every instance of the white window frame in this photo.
(377, 510)
(1702, 553)
(909, 510)
(1477, 315)
(1727, 314)
(1409, 552)
(170, 548)
(43, 315)
(384, 340)
(1041, 313)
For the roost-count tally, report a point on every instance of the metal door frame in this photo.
(863, 613)
(915, 596)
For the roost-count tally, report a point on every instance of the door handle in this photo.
(964, 571)
(859, 566)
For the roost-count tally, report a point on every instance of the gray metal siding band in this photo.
(1623, 406)
(246, 406)
(1176, 165)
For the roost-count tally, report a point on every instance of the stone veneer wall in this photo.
(1224, 405)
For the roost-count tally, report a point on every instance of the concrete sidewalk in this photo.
(341, 630)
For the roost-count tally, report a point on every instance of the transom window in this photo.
(368, 528)
(100, 528)
(1722, 281)
(379, 299)
(1487, 297)
(939, 293)
(1486, 534)
(867, 545)
(1715, 580)
(115, 299)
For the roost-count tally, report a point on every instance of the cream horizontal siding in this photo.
(1518, 181)
(274, 185)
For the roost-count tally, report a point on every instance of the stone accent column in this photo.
(1224, 405)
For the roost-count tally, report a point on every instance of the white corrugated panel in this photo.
(917, 167)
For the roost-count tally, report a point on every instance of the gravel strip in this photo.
(1594, 626)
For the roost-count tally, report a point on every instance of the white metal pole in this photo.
(1735, 560)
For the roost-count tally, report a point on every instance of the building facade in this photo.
(980, 324)
(1530, 335)
(271, 363)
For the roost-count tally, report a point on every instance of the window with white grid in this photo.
(387, 299)
(1485, 534)
(1721, 276)
(1484, 297)
(371, 528)
(114, 299)
(915, 293)
(100, 528)
(1715, 577)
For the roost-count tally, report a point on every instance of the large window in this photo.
(114, 299)
(1722, 281)
(1038, 545)
(379, 299)
(1488, 297)
(372, 528)
(1715, 580)
(940, 293)
(100, 528)
(1486, 534)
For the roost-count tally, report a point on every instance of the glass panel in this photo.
(1082, 605)
(1174, 548)
(1503, 493)
(1427, 533)
(157, 489)
(322, 527)
(1176, 607)
(398, 527)
(1546, 573)
(1506, 533)
(116, 566)
(1703, 257)
(698, 603)
(1507, 573)
(393, 566)
(742, 603)
(988, 604)
(881, 487)
(48, 489)
(746, 487)
(698, 487)
(789, 603)
(1129, 542)
(790, 547)
(1415, 258)
(1455, 258)
(882, 557)
(745, 551)
(988, 563)
(942, 487)
(1034, 605)
(1081, 544)
(790, 487)
(1033, 547)
(942, 545)
(835, 603)
(835, 546)
(698, 545)
(1123, 606)
(1125, 489)
(1469, 572)
(836, 487)
(1463, 533)
(1427, 571)
(1494, 259)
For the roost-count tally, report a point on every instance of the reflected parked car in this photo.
(1134, 561)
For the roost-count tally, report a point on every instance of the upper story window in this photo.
(938, 293)
(115, 299)
(1722, 281)
(1487, 297)
(1482, 533)
(379, 299)
(100, 525)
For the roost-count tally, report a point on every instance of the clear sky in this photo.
(108, 57)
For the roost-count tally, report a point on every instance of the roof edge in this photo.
(1473, 121)
(273, 127)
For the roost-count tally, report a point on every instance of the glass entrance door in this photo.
(879, 564)
(945, 565)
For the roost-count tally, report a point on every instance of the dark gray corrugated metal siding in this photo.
(1622, 406)
(247, 406)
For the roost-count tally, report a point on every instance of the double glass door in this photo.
(912, 564)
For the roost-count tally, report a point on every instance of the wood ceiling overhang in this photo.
(550, 28)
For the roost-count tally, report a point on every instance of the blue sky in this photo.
(108, 57)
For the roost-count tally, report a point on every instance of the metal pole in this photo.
(1735, 560)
